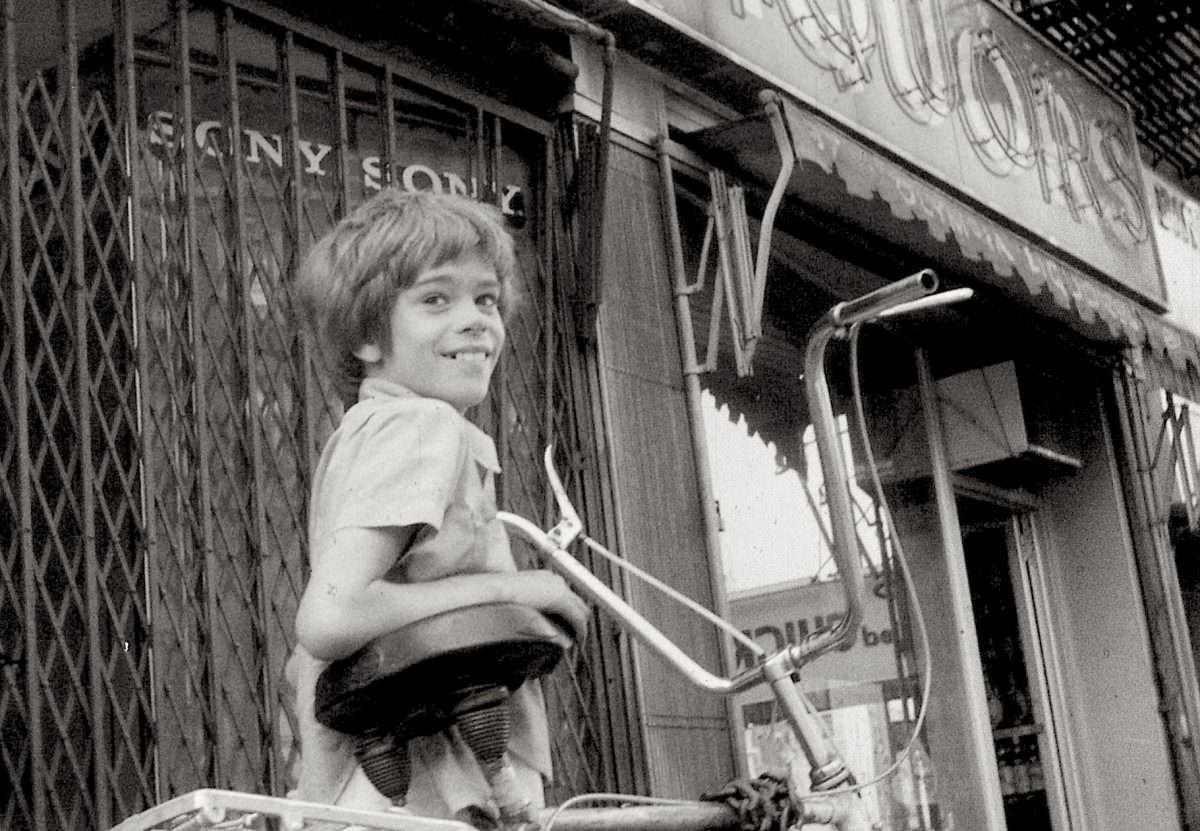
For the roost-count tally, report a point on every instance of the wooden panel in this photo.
(637, 320)
(681, 754)
(689, 746)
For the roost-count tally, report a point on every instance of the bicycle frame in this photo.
(829, 772)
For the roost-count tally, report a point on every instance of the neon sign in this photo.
(960, 90)
(1016, 118)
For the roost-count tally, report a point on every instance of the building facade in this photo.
(691, 186)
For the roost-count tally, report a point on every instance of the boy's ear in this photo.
(369, 353)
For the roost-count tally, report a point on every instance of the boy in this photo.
(405, 298)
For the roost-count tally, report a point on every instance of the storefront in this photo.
(946, 138)
(166, 165)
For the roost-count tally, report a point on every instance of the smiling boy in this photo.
(405, 298)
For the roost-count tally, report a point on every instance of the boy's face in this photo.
(446, 333)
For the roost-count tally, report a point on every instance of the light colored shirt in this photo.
(398, 459)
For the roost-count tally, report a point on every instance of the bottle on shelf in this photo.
(1004, 762)
(1037, 779)
(1020, 765)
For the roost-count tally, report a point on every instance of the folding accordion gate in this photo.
(165, 165)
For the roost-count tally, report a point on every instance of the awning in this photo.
(833, 164)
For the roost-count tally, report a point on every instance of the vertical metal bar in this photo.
(127, 103)
(83, 415)
(387, 109)
(480, 160)
(1186, 453)
(704, 486)
(982, 776)
(546, 275)
(309, 387)
(203, 494)
(343, 140)
(242, 276)
(502, 435)
(1155, 563)
(32, 667)
(497, 136)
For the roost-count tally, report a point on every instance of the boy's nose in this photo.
(474, 320)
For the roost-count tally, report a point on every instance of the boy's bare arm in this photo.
(347, 603)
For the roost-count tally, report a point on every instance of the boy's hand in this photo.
(549, 593)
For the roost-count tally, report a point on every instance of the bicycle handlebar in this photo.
(833, 465)
(829, 773)
(578, 575)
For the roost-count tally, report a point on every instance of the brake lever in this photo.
(569, 526)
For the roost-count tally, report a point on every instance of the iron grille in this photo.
(165, 166)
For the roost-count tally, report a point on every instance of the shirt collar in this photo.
(479, 443)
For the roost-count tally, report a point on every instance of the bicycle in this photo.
(835, 797)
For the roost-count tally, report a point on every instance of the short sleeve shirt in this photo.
(399, 459)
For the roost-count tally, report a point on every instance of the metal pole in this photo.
(989, 800)
(206, 579)
(309, 386)
(83, 411)
(692, 392)
(342, 130)
(32, 654)
(241, 266)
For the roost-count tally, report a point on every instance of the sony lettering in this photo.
(212, 139)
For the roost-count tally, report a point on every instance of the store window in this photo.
(1016, 712)
(783, 585)
(780, 578)
(992, 750)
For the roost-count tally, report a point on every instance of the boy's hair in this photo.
(349, 280)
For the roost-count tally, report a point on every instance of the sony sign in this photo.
(962, 90)
(212, 139)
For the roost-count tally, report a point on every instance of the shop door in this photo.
(1017, 654)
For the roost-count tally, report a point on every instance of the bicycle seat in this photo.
(410, 680)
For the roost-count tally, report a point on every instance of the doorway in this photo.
(1015, 651)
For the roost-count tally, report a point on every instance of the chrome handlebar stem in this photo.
(833, 464)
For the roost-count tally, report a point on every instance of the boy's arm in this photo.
(347, 603)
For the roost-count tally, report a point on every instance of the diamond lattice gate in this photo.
(164, 167)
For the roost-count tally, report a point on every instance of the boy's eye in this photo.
(435, 299)
(488, 300)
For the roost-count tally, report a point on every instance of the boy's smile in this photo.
(446, 333)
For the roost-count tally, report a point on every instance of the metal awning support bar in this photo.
(787, 162)
(741, 280)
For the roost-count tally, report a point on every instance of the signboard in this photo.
(1177, 234)
(964, 92)
(788, 612)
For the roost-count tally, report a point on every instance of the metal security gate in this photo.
(165, 165)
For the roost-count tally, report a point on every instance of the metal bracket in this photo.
(739, 286)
